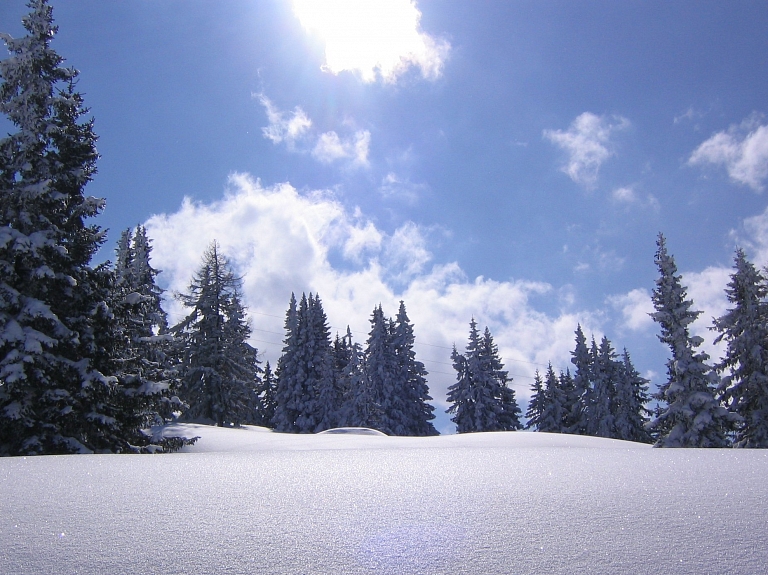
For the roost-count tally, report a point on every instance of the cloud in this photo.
(755, 237)
(330, 148)
(395, 187)
(628, 196)
(634, 307)
(281, 128)
(742, 150)
(282, 241)
(588, 145)
(295, 127)
(375, 38)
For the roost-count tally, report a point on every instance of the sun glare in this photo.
(372, 37)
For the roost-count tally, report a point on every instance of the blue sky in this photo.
(516, 165)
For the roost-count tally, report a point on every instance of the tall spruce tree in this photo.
(630, 413)
(538, 403)
(744, 328)
(554, 412)
(144, 367)
(480, 399)
(417, 413)
(308, 396)
(57, 394)
(220, 368)
(582, 383)
(688, 415)
(381, 367)
(264, 408)
(600, 404)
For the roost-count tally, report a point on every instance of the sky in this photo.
(508, 161)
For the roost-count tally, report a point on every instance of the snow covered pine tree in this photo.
(220, 368)
(744, 328)
(57, 344)
(688, 415)
(480, 398)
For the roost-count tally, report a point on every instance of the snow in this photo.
(253, 501)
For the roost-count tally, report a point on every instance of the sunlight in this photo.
(375, 37)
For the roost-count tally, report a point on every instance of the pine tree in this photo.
(220, 367)
(538, 403)
(480, 399)
(630, 413)
(56, 392)
(582, 383)
(381, 369)
(308, 397)
(689, 415)
(411, 377)
(744, 328)
(320, 368)
(553, 414)
(361, 406)
(600, 402)
(264, 408)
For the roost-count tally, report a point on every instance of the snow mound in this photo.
(252, 501)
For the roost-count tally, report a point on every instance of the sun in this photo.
(371, 37)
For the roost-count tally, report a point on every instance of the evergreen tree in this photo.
(220, 368)
(630, 413)
(568, 389)
(744, 328)
(57, 394)
(382, 369)
(320, 368)
(147, 377)
(689, 415)
(264, 409)
(600, 402)
(480, 399)
(361, 405)
(582, 383)
(553, 414)
(308, 397)
(538, 403)
(413, 393)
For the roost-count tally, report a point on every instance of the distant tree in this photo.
(220, 369)
(361, 405)
(582, 383)
(600, 403)
(538, 403)
(264, 408)
(744, 328)
(630, 414)
(689, 415)
(554, 413)
(480, 399)
(381, 367)
(308, 397)
(413, 392)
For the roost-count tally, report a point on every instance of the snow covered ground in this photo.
(251, 501)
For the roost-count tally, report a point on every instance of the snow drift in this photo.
(252, 501)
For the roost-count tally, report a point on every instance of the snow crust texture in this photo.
(479, 503)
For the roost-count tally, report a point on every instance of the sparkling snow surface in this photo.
(251, 501)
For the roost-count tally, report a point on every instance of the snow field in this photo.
(252, 501)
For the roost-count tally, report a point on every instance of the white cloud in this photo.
(588, 145)
(330, 147)
(284, 127)
(628, 196)
(634, 307)
(742, 150)
(295, 127)
(395, 187)
(756, 237)
(375, 38)
(282, 241)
